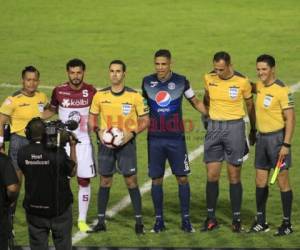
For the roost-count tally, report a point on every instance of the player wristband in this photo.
(134, 134)
(1, 139)
(287, 145)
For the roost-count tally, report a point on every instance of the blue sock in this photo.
(184, 197)
(157, 199)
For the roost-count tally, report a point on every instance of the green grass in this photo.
(48, 33)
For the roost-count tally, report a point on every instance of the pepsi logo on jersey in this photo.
(163, 98)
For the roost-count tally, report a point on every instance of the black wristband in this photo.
(253, 130)
(134, 134)
(287, 145)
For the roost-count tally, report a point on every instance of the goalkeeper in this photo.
(124, 108)
(275, 119)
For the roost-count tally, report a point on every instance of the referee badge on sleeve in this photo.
(8, 101)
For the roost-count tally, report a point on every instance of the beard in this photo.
(76, 81)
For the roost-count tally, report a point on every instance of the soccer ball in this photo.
(113, 137)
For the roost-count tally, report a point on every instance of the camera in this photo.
(57, 133)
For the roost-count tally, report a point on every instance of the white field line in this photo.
(146, 186)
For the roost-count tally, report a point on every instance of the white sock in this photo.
(84, 195)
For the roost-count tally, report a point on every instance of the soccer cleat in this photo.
(139, 229)
(284, 229)
(210, 224)
(159, 226)
(83, 227)
(237, 226)
(186, 226)
(258, 227)
(99, 227)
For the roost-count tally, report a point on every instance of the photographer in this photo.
(48, 196)
(8, 194)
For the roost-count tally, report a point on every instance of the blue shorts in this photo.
(173, 149)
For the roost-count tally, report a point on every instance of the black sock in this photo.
(103, 197)
(286, 200)
(184, 198)
(136, 200)
(236, 195)
(212, 193)
(157, 195)
(261, 201)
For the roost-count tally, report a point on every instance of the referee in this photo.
(275, 118)
(226, 91)
(122, 107)
(18, 109)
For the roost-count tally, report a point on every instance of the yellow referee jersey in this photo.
(21, 109)
(270, 102)
(227, 96)
(119, 109)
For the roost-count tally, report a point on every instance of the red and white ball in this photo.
(113, 137)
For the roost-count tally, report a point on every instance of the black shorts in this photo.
(267, 148)
(225, 140)
(122, 160)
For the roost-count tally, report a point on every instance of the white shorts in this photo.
(85, 160)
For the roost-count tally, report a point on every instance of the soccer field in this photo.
(49, 33)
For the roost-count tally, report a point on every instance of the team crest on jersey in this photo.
(267, 101)
(233, 92)
(126, 108)
(171, 85)
(153, 84)
(74, 116)
(163, 98)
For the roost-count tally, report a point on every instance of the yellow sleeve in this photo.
(8, 106)
(95, 106)
(141, 105)
(286, 99)
(247, 89)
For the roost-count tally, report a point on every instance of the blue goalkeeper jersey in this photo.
(165, 102)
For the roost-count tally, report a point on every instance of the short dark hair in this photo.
(163, 53)
(75, 63)
(35, 129)
(270, 60)
(30, 69)
(222, 55)
(120, 62)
